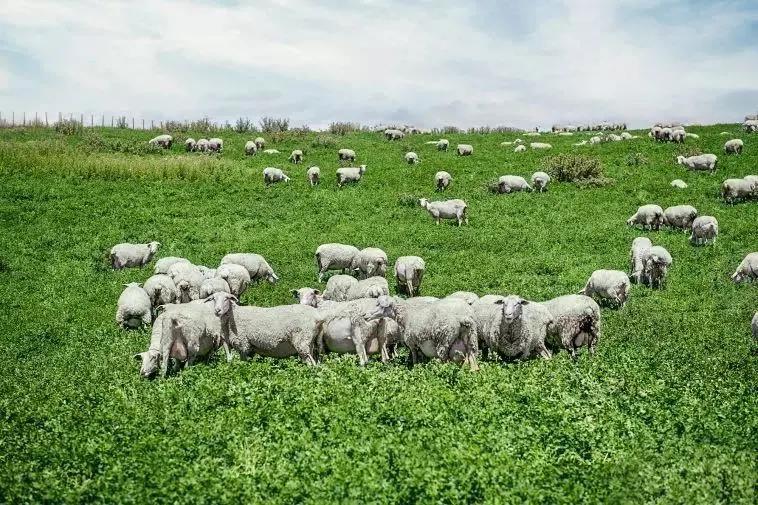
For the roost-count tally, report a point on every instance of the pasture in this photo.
(666, 411)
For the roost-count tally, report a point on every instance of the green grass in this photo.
(665, 412)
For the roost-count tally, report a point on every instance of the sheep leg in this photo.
(543, 351)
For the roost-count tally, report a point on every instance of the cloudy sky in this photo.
(427, 63)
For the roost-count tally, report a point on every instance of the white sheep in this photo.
(580, 143)
(540, 145)
(678, 183)
(442, 180)
(753, 180)
(575, 323)
(704, 229)
(371, 287)
(733, 190)
(338, 286)
(466, 296)
(201, 145)
(520, 149)
(369, 262)
(411, 158)
(512, 184)
(273, 175)
(213, 285)
(747, 270)
(236, 276)
(512, 327)
(490, 299)
(733, 146)
(188, 279)
(610, 285)
(393, 134)
(208, 273)
(160, 289)
(296, 156)
(656, 266)
(132, 255)
(250, 148)
(215, 145)
(540, 181)
(260, 143)
(678, 136)
(334, 256)
(464, 149)
(409, 272)
(163, 264)
(163, 141)
(446, 209)
(650, 216)
(595, 140)
(679, 216)
(271, 151)
(637, 255)
(256, 266)
(693, 135)
(346, 155)
(133, 308)
(190, 145)
(443, 144)
(349, 174)
(314, 175)
(626, 136)
(700, 162)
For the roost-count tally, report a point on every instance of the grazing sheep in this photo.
(443, 144)
(163, 141)
(256, 266)
(513, 328)
(409, 272)
(260, 143)
(678, 136)
(446, 209)
(733, 190)
(693, 135)
(339, 286)
(334, 257)
(679, 216)
(270, 151)
(747, 269)
(466, 296)
(465, 149)
(215, 145)
(250, 148)
(512, 184)
(540, 145)
(626, 136)
(371, 287)
(700, 162)
(236, 276)
(349, 174)
(640, 250)
(656, 266)
(576, 322)
(279, 332)
(214, 285)
(133, 308)
(442, 180)
(296, 156)
(411, 158)
(520, 149)
(615, 138)
(314, 175)
(540, 181)
(753, 180)
(160, 289)
(163, 264)
(393, 134)
(678, 183)
(610, 285)
(202, 146)
(595, 140)
(750, 125)
(733, 146)
(650, 216)
(272, 175)
(704, 228)
(369, 262)
(190, 145)
(346, 155)
(132, 255)
(581, 143)
(188, 280)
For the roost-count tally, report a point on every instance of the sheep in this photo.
(753, 180)
(371, 287)
(655, 270)
(678, 183)
(693, 135)
(188, 280)
(346, 155)
(640, 250)
(490, 299)
(747, 270)
(279, 332)
(575, 322)
(160, 289)
(733, 146)
(615, 138)
(466, 296)
(750, 125)
(446, 209)
(270, 151)
(334, 256)
(314, 175)
(208, 273)
(411, 158)
(665, 134)
(655, 133)
(393, 134)
(464, 149)
(190, 145)
(580, 143)
(700, 162)
(369, 262)
(520, 149)
(540, 181)
(595, 140)
(236, 276)
(443, 144)
(163, 264)
(409, 272)
(133, 255)
(201, 146)
(626, 136)
(214, 285)
(679, 216)
(610, 285)
(349, 174)
(704, 228)
(678, 136)
(260, 143)
(532, 134)
(338, 286)
(442, 180)
(296, 156)
(250, 148)
(273, 175)
(650, 216)
(133, 308)
(512, 327)
(215, 145)
(512, 184)
(540, 145)
(163, 141)
(256, 266)
(736, 189)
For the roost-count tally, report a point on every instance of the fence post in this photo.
(103, 120)
(132, 123)
(111, 121)
(152, 126)
(60, 117)
(143, 123)
(46, 123)
(23, 121)
(13, 118)
(91, 120)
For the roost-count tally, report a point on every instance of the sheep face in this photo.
(222, 303)
(153, 247)
(512, 306)
(307, 296)
(150, 361)
(423, 202)
(272, 278)
(384, 308)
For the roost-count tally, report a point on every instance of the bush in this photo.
(407, 200)
(273, 125)
(341, 128)
(636, 159)
(175, 126)
(573, 167)
(244, 125)
(95, 143)
(69, 127)
(324, 141)
(450, 129)
(122, 122)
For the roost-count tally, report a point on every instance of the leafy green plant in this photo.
(69, 127)
(573, 167)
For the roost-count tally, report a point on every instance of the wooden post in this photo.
(81, 119)
(132, 123)
(23, 121)
(152, 126)
(143, 123)
(103, 120)
(36, 120)
(91, 120)
(13, 118)
(46, 123)
(60, 117)
(111, 121)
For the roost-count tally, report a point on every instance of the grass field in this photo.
(665, 412)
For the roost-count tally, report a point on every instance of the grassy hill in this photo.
(665, 411)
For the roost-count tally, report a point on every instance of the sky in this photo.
(421, 63)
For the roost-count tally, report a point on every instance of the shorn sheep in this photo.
(256, 266)
(540, 181)
(133, 255)
(512, 183)
(679, 216)
(296, 156)
(464, 150)
(640, 250)
(657, 262)
(346, 175)
(733, 190)
(648, 216)
(162, 141)
(334, 256)
(705, 229)
(250, 148)
(747, 270)
(442, 180)
(346, 155)
(314, 176)
(160, 289)
(369, 262)
(133, 308)
(273, 175)
(409, 272)
(733, 146)
(412, 158)
(446, 209)
(610, 285)
(701, 162)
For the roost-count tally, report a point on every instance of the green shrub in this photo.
(636, 159)
(69, 127)
(408, 200)
(324, 141)
(573, 167)
(122, 122)
(272, 125)
(341, 127)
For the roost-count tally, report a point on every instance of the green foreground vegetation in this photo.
(665, 412)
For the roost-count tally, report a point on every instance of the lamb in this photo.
(201, 146)
(747, 270)
(349, 174)
(270, 151)
(540, 145)
(188, 279)
(133, 308)
(279, 332)
(334, 257)
(163, 141)
(576, 322)
(296, 156)
(236, 276)
(640, 250)
(466, 296)
(409, 272)
(446, 209)
(314, 175)
(610, 285)
(540, 181)
(250, 148)
(704, 228)
(678, 183)
(442, 180)
(338, 286)
(513, 328)
(679, 216)
(678, 136)
(700, 162)
(736, 189)
(733, 146)
(346, 155)
(163, 264)
(520, 149)
(369, 262)
(372, 287)
(443, 144)
(260, 143)
(650, 216)
(215, 145)
(214, 285)
(411, 158)
(465, 149)
(656, 264)
(393, 134)
(190, 145)
(133, 255)
(512, 184)
(256, 266)
(273, 175)
(160, 289)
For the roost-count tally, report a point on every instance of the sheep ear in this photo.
(499, 302)
(316, 292)
(138, 356)
(208, 299)
(294, 293)
(524, 302)
(234, 299)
